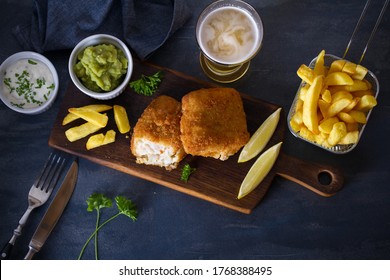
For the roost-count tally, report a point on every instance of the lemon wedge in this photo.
(260, 138)
(259, 170)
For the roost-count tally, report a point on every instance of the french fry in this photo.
(361, 93)
(333, 104)
(121, 119)
(306, 74)
(342, 94)
(338, 79)
(359, 116)
(109, 137)
(366, 103)
(81, 131)
(336, 66)
(90, 116)
(337, 107)
(319, 67)
(95, 141)
(349, 68)
(352, 105)
(309, 110)
(345, 117)
(70, 117)
(357, 85)
(327, 125)
(326, 96)
(339, 130)
(296, 121)
(100, 139)
(323, 106)
(360, 72)
(350, 138)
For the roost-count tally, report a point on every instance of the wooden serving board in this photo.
(214, 180)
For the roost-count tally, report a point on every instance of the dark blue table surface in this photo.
(291, 223)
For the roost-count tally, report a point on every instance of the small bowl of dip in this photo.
(101, 66)
(29, 83)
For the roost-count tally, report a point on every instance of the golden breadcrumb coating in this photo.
(156, 136)
(213, 123)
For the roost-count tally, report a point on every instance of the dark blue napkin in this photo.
(143, 24)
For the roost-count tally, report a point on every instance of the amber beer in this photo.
(229, 34)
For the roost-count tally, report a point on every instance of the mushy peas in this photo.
(101, 68)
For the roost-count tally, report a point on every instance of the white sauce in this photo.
(229, 35)
(27, 83)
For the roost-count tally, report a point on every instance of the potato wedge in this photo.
(100, 139)
(90, 116)
(349, 67)
(357, 85)
(338, 79)
(70, 117)
(121, 119)
(109, 137)
(307, 134)
(306, 74)
(352, 105)
(359, 116)
(319, 67)
(309, 110)
(338, 131)
(360, 72)
(327, 125)
(95, 141)
(342, 94)
(366, 103)
(345, 117)
(81, 131)
(350, 138)
(337, 107)
(336, 66)
(326, 96)
(323, 106)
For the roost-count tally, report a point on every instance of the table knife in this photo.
(54, 211)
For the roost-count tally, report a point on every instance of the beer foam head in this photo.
(229, 35)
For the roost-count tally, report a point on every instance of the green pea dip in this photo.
(101, 68)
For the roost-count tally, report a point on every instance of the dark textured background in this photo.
(291, 222)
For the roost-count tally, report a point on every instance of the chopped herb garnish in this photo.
(147, 85)
(186, 172)
(26, 87)
(32, 62)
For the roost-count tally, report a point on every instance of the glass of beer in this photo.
(229, 34)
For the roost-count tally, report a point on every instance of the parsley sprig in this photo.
(147, 85)
(186, 172)
(99, 201)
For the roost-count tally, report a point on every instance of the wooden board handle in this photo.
(322, 179)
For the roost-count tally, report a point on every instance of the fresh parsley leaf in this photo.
(126, 207)
(147, 85)
(97, 201)
(186, 172)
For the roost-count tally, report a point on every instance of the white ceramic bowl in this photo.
(34, 57)
(96, 40)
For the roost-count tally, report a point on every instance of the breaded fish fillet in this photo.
(213, 123)
(156, 136)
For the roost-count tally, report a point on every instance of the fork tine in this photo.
(52, 181)
(45, 171)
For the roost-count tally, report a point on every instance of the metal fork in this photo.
(38, 195)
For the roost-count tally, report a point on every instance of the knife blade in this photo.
(54, 211)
